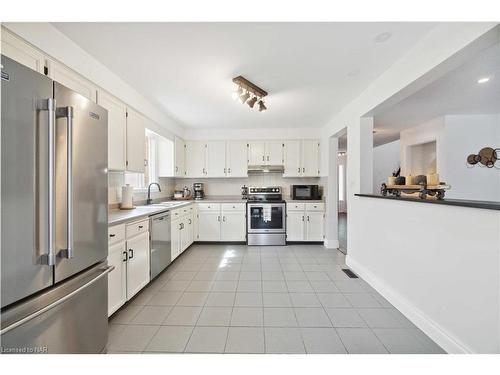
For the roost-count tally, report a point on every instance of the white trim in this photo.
(437, 333)
(331, 244)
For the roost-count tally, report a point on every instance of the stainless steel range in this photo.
(266, 216)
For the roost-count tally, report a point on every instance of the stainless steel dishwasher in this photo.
(160, 246)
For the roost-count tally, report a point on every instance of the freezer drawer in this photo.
(69, 318)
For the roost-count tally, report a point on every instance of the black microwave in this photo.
(305, 192)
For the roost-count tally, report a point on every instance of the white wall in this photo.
(52, 42)
(466, 135)
(386, 159)
(427, 132)
(438, 264)
(456, 137)
(364, 252)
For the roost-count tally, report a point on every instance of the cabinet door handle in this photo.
(267, 157)
(130, 253)
(298, 170)
(308, 218)
(302, 218)
(263, 158)
(190, 221)
(303, 170)
(141, 226)
(223, 218)
(218, 218)
(224, 170)
(180, 226)
(112, 235)
(125, 256)
(177, 169)
(229, 170)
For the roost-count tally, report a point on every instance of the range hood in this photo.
(259, 169)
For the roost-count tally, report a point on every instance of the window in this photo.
(341, 183)
(160, 162)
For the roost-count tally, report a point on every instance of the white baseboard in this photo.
(331, 244)
(436, 332)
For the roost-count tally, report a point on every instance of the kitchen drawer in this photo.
(138, 227)
(233, 207)
(209, 206)
(181, 212)
(315, 207)
(116, 234)
(291, 206)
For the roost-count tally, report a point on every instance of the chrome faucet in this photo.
(149, 200)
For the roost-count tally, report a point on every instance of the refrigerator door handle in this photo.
(49, 105)
(67, 112)
(105, 271)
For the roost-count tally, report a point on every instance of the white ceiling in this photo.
(311, 70)
(455, 93)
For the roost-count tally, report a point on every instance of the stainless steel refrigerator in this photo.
(54, 219)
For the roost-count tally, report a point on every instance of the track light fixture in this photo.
(249, 93)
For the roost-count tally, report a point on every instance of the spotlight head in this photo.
(244, 98)
(237, 93)
(262, 106)
(252, 102)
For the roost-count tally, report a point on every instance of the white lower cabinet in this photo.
(233, 226)
(137, 264)
(128, 252)
(305, 222)
(182, 229)
(295, 226)
(117, 279)
(209, 225)
(176, 228)
(221, 222)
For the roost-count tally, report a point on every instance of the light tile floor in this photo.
(250, 299)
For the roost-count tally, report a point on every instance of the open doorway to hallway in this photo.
(341, 189)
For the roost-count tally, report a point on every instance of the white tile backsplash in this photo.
(213, 186)
(116, 181)
(232, 186)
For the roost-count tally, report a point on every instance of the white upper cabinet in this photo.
(67, 77)
(301, 158)
(265, 153)
(215, 159)
(117, 130)
(180, 157)
(236, 159)
(166, 157)
(136, 139)
(195, 159)
(22, 52)
(292, 159)
(257, 153)
(274, 153)
(310, 158)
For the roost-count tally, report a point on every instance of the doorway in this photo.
(341, 189)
